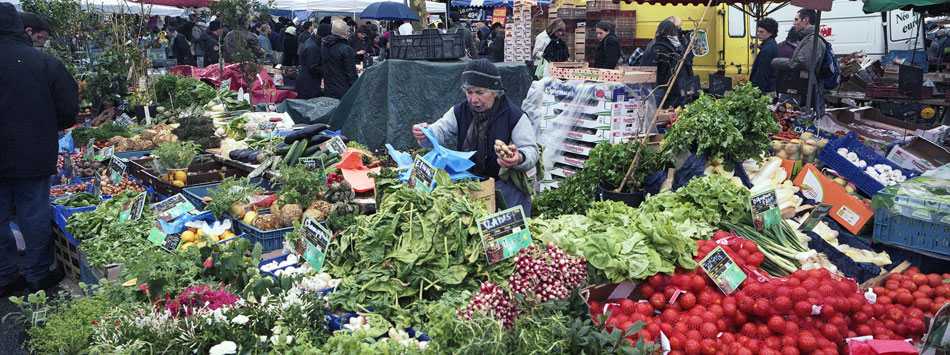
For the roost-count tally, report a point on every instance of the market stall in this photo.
(229, 219)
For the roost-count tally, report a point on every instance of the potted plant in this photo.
(174, 158)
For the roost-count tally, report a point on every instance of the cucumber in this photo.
(311, 150)
(290, 152)
(297, 152)
(281, 148)
(332, 155)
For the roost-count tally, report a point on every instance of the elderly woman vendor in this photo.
(485, 116)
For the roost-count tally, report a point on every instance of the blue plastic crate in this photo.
(88, 189)
(864, 182)
(926, 236)
(196, 194)
(134, 154)
(270, 240)
(87, 276)
(61, 214)
(335, 323)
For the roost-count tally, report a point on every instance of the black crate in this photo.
(431, 44)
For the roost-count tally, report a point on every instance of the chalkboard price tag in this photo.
(132, 209)
(816, 216)
(765, 212)
(719, 85)
(910, 81)
(504, 233)
(316, 237)
(172, 207)
(124, 119)
(422, 176)
(723, 270)
(96, 186)
(117, 167)
(67, 165)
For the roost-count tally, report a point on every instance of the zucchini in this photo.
(290, 152)
(298, 151)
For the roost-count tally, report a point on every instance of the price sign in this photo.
(719, 85)
(422, 176)
(722, 270)
(765, 212)
(504, 233)
(173, 207)
(122, 106)
(315, 238)
(226, 84)
(117, 167)
(67, 165)
(313, 163)
(124, 119)
(910, 81)
(108, 153)
(266, 126)
(335, 144)
(96, 186)
(90, 147)
(132, 209)
(816, 216)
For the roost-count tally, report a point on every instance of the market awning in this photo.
(932, 6)
(126, 7)
(490, 3)
(178, 3)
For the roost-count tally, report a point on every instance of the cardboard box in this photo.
(582, 71)
(847, 210)
(605, 292)
(919, 155)
(487, 194)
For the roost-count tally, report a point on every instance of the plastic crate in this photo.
(61, 214)
(198, 174)
(137, 165)
(829, 155)
(888, 91)
(87, 276)
(270, 240)
(335, 323)
(896, 229)
(431, 44)
(138, 154)
(66, 252)
(196, 194)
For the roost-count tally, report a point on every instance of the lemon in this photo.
(181, 176)
(193, 229)
(186, 245)
(227, 235)
(178, 183)
(201, 244)
(200, 233)
(214, 238)
(187, 236)
(249, 217)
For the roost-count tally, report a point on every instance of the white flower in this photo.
(263, 338)
(240, 319)
(226, 347)
(290, 338)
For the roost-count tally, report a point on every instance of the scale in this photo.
(701, 45)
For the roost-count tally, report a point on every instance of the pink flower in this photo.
(209, 263)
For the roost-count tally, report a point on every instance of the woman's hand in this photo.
(417, 132)
(515, 159)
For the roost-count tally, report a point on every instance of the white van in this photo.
(850, 30)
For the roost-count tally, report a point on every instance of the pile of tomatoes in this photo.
(915, 290)
(808, 312)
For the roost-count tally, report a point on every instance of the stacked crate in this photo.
(586, 114)
(518, 34)
(625, 21)
(578, 47)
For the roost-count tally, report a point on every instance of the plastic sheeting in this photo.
(310, 111)
(390, 97)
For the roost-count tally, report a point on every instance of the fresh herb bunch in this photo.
(66, 328)
(608, 163)
(81, 135)
(176, 155)
(229, 191)
(737, 128)
(299, 185)
(190, 90)
(165, 86)
(199, 130)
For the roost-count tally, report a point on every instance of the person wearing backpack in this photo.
(806, 57)
(665, 52)
(468, 42)
(763, 75)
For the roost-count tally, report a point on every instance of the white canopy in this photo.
(345, 6)
(122, 6)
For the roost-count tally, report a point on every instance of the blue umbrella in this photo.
(389, 11)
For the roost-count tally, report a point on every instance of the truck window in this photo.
(737, 23)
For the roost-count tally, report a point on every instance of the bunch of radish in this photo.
(539, 276)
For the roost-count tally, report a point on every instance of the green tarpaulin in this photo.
(888, 5)
(390, 97)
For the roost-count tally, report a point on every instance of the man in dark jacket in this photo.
(303, 36)
(497, 46)
(468, 42)
(38, 97)
(339, 62)
(361, 43)
(181, 50)
(310, 71)
(289, 39)
(763, 75)
(209, 43)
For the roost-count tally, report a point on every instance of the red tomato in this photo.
(658, 300)
(708, 330)
(776, 324)
(716, 310)
(884, 300)
(923, 303)
(708, 346)
(744, 351)
(669, 315)
(878, 290)
(799, 293)
(791, 327)
(677, 341)
(790, 340)
(656, 280)
(789, 350)
(694, 322)
(687, 300)
(905, 298)
(628, 306)
(773, 342)
(697, 283)
(646, 290)
(762, 307)
(919, 279)
(934, 280)
(803, 309)
(909, 285)
(763, 331)
(859, 317)
(892, 285)
(739, 318)
(807, 342)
